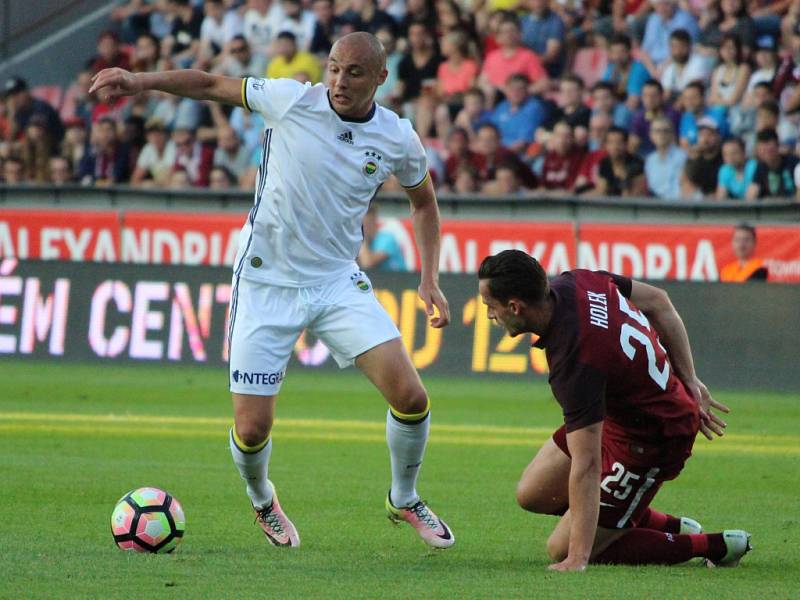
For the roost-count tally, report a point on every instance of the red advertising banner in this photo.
(180, 238)
(647, 251)
(59, 235)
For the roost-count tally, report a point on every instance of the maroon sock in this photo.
(652, 519)
(649, 547)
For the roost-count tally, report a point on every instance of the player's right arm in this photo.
(110, 84)
(656, 305)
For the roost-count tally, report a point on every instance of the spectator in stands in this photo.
(604, 101)
(328, 28)
(768, 116)
(249, 127)
(694, 109)
(290, 62)
(109, 54)
(683, 67)
(22, 106)
(652, 108)
(13, 171)
(238, 61)
(665, 18)
(292, 17)
(729, 79)
(385, 95)
(221, 178)
(774, 176)
(743, 117)
(736, 175)
(626, 74)
(766, 15)
(466, 180)
(571, 107)
(700, 174)
(108, 160)
(664, 165)
(733, 22)
(458, 73)
(491, 154)
(146, 53)
(193, 157)
(474, 114)
(506, 182)
(35, 150)
(416, 74)
(76, 142)
(59, 171)
(746, 267)
(599, 126)
(458, 154)
(417, 11)
(366, 16)
(179, 179)
(510, 58)
(258, 25)
(543, 32)
(562, 161)
(157, 158)
(219, 27)
(519, 115)
(183, 43)
(230, 153)
(786, 85)
(767, 65)
(379, 250)
(140, 16)
(620, 173)
(78, 103)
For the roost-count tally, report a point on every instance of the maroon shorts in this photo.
(632, 475)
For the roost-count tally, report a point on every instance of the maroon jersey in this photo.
(607, 363)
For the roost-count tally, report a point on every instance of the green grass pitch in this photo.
(74, 438)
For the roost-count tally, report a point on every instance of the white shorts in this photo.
(267, 320)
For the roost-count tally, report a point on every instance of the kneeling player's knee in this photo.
(556, 548)
(526, 500)
(252, 433)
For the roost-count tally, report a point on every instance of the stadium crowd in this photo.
(697, 99)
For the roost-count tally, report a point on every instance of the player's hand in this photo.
(432, 296)
(567, 565)
(710, 423)
(110, 84)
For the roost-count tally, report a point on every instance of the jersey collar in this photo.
(363, 119)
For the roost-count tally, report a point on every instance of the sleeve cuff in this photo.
(245, 105)
(418, 185)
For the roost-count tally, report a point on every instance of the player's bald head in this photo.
(362, 48)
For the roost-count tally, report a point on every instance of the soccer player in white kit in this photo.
(326, 152)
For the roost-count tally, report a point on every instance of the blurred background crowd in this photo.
(697, 99)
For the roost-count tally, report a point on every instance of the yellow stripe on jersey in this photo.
(411, 417)
(420, 184)
(244, 447)
(244, 95)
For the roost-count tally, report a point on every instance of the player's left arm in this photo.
(425, 216)
(584, 495)
(656, 305)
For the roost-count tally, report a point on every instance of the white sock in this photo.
(253, 467)
(406, 447)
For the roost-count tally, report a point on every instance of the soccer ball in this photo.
(148, 520)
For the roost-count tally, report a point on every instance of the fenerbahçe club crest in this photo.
(371, 164)
(360, 281)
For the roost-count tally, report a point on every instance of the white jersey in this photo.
(317, 176)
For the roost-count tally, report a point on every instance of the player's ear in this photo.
(382, 76)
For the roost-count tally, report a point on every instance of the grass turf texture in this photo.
(74, 438)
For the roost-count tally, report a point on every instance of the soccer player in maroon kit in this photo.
(621, 368)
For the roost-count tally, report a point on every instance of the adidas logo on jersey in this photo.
(347, 136)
